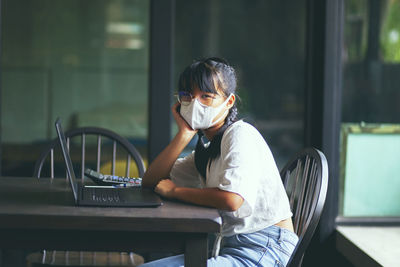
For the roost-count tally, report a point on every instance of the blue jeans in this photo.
(271, 246)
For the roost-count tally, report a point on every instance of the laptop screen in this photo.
(67, 158)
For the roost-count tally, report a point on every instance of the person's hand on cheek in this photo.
(180, 121)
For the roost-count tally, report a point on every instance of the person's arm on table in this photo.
(211, 197)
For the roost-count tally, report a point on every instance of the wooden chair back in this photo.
(305, 178)
(92, 143)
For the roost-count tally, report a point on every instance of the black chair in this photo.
(305, 178)
(89, 144)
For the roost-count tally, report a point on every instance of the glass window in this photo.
(257, 38)
(370, 135)
(83, 61)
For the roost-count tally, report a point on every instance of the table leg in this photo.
(196, 250)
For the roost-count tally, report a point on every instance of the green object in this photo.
(370, 170)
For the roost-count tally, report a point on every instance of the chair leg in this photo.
(44, 256)
(301, 261)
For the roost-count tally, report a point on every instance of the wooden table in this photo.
(40, 214)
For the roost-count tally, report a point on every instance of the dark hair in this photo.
(212, 75)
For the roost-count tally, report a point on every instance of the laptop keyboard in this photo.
(103, 195)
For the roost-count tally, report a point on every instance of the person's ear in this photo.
(231, 101)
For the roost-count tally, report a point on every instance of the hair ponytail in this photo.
(232, 115)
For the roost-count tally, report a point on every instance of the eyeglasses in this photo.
(185, 98)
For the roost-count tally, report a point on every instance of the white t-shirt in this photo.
(246, 167)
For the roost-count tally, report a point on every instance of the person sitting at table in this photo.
(234, 172)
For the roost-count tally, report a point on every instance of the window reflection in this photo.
(124, 35)
(265, 42)
(370, 105)
(85, 61)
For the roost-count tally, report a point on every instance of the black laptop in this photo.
(104, 196)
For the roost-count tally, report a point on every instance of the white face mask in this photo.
(200, 116)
